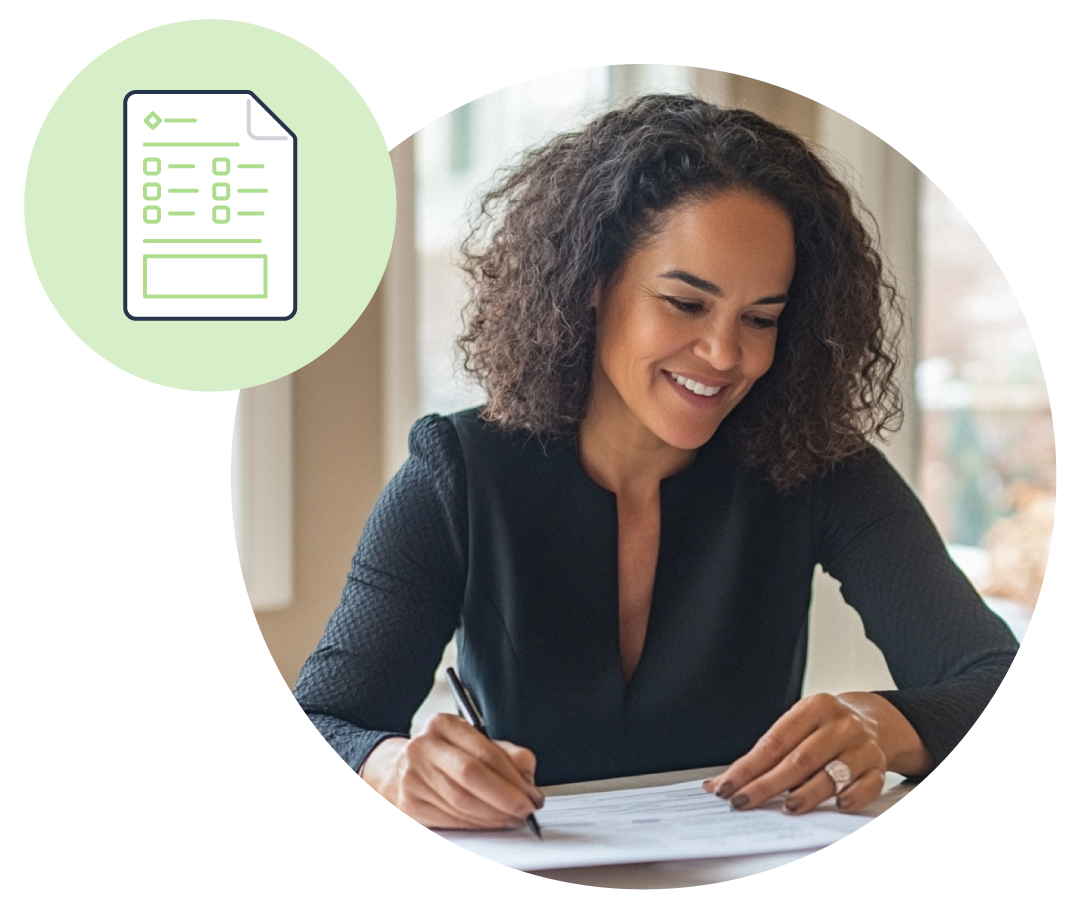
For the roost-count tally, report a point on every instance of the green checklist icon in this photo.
(209, 207)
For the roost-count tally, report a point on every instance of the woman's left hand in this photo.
(864, 731)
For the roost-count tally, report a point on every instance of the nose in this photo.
(720, 344)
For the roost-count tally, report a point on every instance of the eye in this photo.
(761, 321)
(690, 307)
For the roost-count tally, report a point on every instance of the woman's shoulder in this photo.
(437, 437)
(862, 490)
(867, 471)
(435, 460)
(433, 435)
(459, 455)
(443, 445)
(485, 440)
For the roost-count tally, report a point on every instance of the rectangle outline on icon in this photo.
(202, 296)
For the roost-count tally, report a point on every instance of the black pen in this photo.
(467, 710)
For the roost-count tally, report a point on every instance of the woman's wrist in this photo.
(904, 750)
(379, 767)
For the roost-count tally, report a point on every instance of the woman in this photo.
(680, 324)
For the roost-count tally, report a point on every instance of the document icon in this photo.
(209, 207)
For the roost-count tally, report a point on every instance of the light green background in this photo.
(137, 769)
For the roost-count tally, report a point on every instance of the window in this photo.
(986, 466)
(455, 157)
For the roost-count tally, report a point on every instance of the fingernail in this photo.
(740, 801)
(530, 778)
(791, 805)
(726, 790)
(844, 802)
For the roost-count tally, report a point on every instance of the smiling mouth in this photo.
(695, 386)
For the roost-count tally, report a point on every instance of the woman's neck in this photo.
(619, 452)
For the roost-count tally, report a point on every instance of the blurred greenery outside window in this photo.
(987, 468)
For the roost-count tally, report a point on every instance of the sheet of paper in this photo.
(209, 207)
(666, 823)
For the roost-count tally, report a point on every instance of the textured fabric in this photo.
(509, 542)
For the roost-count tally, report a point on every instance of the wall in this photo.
(337, 475)
(791, 97)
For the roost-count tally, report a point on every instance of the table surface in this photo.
(901, 855)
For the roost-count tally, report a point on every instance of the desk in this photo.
(895, 857)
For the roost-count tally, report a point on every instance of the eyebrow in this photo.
(699, 283)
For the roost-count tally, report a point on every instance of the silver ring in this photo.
(840, 773)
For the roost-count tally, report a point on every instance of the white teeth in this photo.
(696, 386)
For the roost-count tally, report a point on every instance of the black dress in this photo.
(506, 540)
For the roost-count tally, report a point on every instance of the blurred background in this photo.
(986, 469)
(313, 450)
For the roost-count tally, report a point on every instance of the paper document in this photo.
(209, 207)
(666, 823)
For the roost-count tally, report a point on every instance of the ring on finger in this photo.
(840, 773)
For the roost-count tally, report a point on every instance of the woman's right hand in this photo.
(450, 776)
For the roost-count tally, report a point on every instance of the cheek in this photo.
(628, 346)
(760, 357)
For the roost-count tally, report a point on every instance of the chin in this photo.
(689, 437)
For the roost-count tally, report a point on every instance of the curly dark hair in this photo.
(572, 210)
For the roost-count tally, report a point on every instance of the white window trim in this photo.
(262, 492)
(398, 298)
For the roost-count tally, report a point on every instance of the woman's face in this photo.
(688, 322)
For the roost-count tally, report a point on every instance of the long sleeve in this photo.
(946, 650)
(400, 606)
